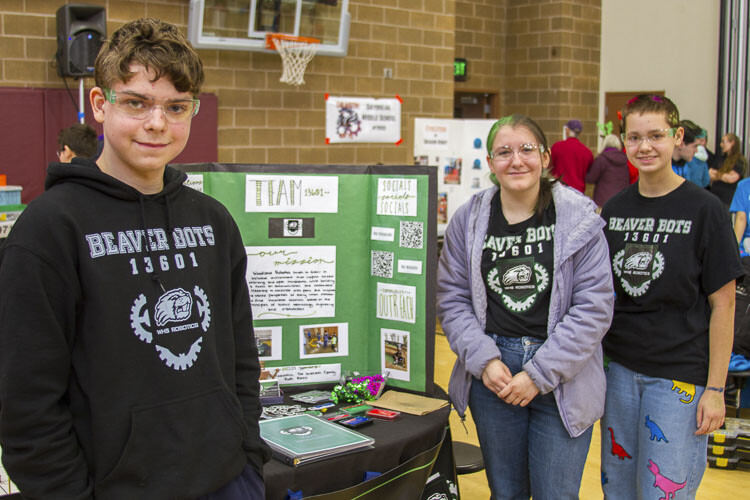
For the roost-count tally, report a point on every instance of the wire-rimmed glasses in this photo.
(504, 154)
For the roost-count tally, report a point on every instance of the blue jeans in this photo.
(526, 450)
(649, 449)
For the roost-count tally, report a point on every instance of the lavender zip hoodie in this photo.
(581, 303)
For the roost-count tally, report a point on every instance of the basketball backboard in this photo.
(243, 24)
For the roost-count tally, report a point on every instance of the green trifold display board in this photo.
(341, 266)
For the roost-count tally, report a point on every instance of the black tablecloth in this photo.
(395, 443)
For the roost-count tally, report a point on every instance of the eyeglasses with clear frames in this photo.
(655, 137)
(140, 107)
(504, 154)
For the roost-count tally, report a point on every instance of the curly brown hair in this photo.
(158, 46)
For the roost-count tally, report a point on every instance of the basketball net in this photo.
(295, 55)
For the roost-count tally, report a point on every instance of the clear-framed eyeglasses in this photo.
(140, 107)
(504, 154)
(655, 137)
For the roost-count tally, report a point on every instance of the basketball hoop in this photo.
(296, 52)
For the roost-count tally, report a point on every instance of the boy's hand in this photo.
(710, 414)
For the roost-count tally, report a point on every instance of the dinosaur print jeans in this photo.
(649, 449)
(527, 451)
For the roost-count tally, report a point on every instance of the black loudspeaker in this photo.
(81, 30)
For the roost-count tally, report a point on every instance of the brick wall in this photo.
(480, 39)
(540, 56)
(260, 119)
(552, 63)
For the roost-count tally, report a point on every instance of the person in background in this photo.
(524, 293)
(684, 162)
(702, 152)
(730, 168)
(674, 260)
(128, 363)
(77, 140)
(741, 208)
(609, 172)
(570, 158)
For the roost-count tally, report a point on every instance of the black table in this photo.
(396, 442)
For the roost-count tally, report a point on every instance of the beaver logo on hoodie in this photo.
(176, 341)
(175, 305)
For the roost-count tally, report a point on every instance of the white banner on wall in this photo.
(357, 119)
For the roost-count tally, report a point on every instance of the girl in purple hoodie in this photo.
(524, 297)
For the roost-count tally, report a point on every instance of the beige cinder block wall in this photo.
(540, 56)
(260, 119)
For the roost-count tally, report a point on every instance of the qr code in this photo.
(411, 234)
(382, 264)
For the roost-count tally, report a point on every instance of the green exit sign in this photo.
(459, 69)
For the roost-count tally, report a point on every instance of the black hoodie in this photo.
(128, 364)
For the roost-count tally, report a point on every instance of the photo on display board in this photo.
(395, 353)
(452, 171)
(268, 340)
(326, 340)
(422, 160)
(442, 204)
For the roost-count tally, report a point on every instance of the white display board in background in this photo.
(457, 147)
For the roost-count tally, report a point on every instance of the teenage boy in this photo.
(76, 140)
(674, 263)
(684, 162)
(128, 363)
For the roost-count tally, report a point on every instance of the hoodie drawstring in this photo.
(169, 215)
(154, 274)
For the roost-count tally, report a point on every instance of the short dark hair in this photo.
(158, 46)
(80, 138)
(651, 103)
(692, 131)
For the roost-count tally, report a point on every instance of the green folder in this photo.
(301, 439)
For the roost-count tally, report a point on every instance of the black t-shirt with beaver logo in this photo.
(517, 265)
(668, 254)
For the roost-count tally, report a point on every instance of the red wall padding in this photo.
(32, 118)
